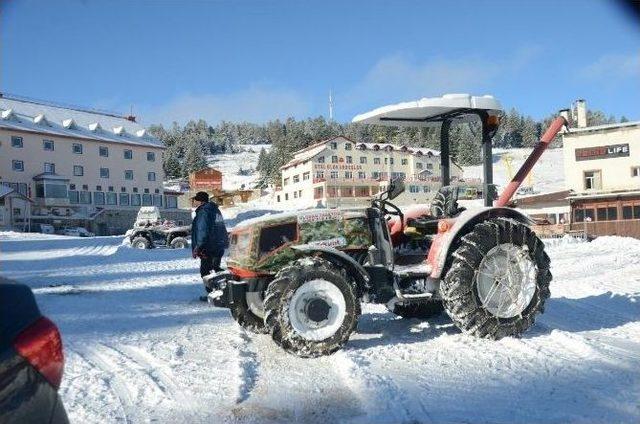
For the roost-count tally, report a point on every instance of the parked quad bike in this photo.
(301, 277)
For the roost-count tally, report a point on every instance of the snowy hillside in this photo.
(140, 347)
(547, 175)
(231, 164)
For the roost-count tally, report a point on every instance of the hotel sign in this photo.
(602, 152)
(342, 166)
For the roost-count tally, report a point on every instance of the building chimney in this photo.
(580, 115)
(565, 114)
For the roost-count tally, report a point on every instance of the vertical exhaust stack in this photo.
(580, 113)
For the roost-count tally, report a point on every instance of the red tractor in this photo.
(301, 276)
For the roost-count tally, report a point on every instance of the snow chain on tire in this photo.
(459, 291)
(246, 318)
(279, 294)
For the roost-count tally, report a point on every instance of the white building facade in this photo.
(342, 173)
(75, 164)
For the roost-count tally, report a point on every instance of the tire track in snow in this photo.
(248, 367)
(112, 379)
(157, 371)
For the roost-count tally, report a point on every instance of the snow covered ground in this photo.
(547, 174)
(231, 163)
(140, 347)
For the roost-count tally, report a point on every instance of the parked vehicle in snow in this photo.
(302, 276)
(150, 231)
(31, 360)
(76, 232)
(47, 229)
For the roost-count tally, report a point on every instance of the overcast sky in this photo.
(259, 60)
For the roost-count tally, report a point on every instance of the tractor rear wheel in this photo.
(418, 309)
(311, 309)
(498, 280)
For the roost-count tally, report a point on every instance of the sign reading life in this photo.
(602, 152)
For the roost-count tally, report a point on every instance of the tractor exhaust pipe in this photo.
(526, 167)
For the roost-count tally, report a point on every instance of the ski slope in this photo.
(140, 347)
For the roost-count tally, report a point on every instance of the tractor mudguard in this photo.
(353, 268)
(444, 244)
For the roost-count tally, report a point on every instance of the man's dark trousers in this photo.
(210, 263)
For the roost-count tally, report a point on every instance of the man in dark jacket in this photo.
(209, 235)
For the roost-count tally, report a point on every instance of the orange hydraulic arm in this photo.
(526, 167)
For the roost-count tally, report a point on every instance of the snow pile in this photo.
(140, 347)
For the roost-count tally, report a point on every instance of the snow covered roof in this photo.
(35, 116)
(601, 128)
(5, 190)
(311, 151)
(427, 110)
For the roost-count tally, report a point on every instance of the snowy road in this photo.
(140, 347)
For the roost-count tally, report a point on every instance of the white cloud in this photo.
(397, 78)
(613, 67)
(255, 104)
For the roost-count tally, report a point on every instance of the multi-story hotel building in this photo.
(341, 172)
(79, 167)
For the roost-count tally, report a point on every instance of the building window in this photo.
(347, 146)
(110, 188)
(375, 175)
(426, 189)
(157, 200)
(320, 175)
(295, 194)
(592, 180)
(146, 190)
(286, 196)
(103, 151)
(85, 197)
(321, 159)
(631, 212)
(296, 179)
(135, 189)
(135, 200)
(112, 198)
(128, 174)
(151, 176)
(47, 145)
(414, 189)
(278, 198)
(405, 161)
(98, 188)
(85, 187)
(285, 181)
(362, 175)
(172, 202)
(151, 156)
(376, 161)
(348, 174)
(124, 199)
(418, 165)
(349, 159)
(78, 171)
(390, 161)
(334, 175)
(306, 176)
(17, 165)
(334, 159)
(73, 197)
(635, 171)
(363, 160)
(77, 148)
(334, 145)
(98, 197)
(104, 172)
(156, 191)
(429, 166)
(16, 141)
(128, 154)
(49, 168)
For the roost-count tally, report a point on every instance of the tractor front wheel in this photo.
(249, 312)
(311, 309)
(498, 280)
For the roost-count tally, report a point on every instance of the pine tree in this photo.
(194, 158)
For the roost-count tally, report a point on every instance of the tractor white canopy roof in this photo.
(425, 111)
